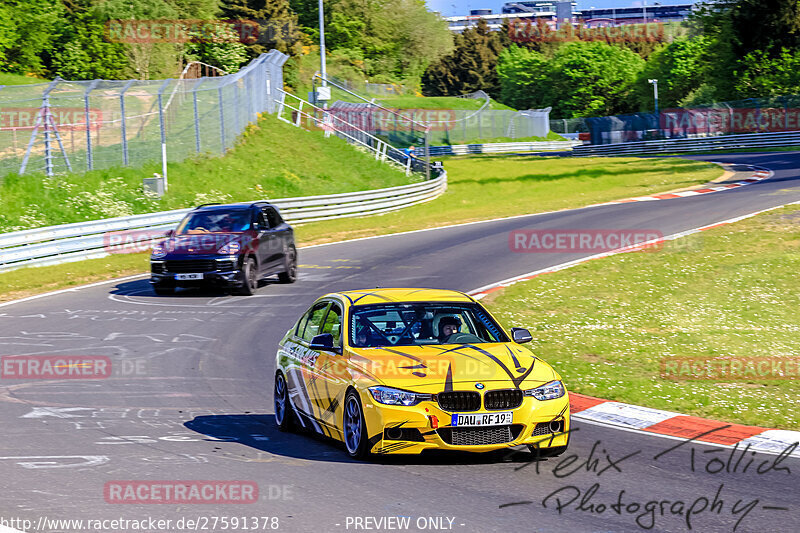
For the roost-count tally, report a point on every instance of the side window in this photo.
(261, 221)
(314, 322)
(273, 217)
(333, 324)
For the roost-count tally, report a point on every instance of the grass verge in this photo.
(480, 188)
(19, 79)
(551, 136)
(487, 187)
(265, 164)
(612, 325)
(439, 102)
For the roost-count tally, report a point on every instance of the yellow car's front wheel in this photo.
(355, 427)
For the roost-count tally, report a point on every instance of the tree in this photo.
(580, 79)
(524, 76)
(393, 40)
(593, 79)
(748, 40)
(147, 60)
(26, 34)
(678, 67)
(81, 51)
(277, 20)
(222, 50)
(472, 65)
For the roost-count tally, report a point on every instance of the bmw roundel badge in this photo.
(479, 386)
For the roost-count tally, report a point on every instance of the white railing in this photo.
(302, 112)
(499, 148)
(722, 142)
(99, 238)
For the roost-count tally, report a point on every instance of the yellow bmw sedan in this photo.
(406, 370)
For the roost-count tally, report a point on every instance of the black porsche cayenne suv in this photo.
(229, 246)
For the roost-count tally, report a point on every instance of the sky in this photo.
(450, 8)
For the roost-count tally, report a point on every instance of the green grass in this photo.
(273, 160)
(479, 189)
(439, 102)
(741, 150)
(19, 79)
(608, 325)
(551, 136)
(486, 187)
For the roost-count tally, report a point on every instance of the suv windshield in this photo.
(215, 222)
(418, 324)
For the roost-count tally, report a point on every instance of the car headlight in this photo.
(390, 396)
(232, 248)
(548, 391)
(159, 250)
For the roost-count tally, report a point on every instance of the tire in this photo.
(284, 413)
(289, 274)
(249, 278)
(162, 290)
(354, 428)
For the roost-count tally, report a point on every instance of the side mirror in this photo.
(169, 233)
(521, 335)
(324, 343)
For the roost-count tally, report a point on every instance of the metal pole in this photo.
(122, 123)
(428, 153)
(221, 121)
(89, 162)
(322, 69)
(163, 133)
(196, 118)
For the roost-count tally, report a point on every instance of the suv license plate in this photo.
(184, 277)
(482, 419)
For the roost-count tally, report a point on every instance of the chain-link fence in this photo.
(751, 115)
(84, 125)
(403, 127)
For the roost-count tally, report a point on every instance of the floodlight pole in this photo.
(654, 83)
(323, 71)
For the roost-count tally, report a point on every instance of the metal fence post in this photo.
(196, 117)
(236, 108)
(122, 123)
(221, 120)
(89, 162)
(163, 132)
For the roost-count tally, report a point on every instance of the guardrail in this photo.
(722, 142)
(100, 238)
(499, 148)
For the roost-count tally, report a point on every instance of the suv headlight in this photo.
(232, 248)
(390, 396)
(548, 391)
(159, 250)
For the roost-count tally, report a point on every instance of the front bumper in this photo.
(411, 430)
(225, 274)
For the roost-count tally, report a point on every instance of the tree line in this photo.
(387, 40)
(727, 50)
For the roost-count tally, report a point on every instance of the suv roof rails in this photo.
(206, 205)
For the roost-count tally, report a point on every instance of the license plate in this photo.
(482, 419)
(184, 277)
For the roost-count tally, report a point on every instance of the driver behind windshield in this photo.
(448, 325)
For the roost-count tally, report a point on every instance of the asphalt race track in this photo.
(191, 399)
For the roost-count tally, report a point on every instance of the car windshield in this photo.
(418, 324)
(215, 222)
